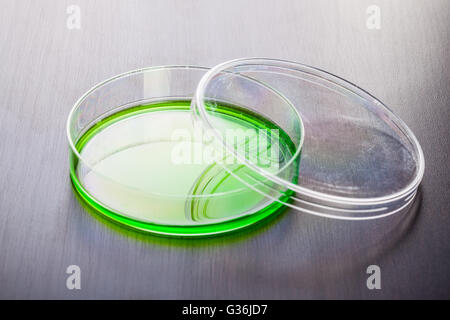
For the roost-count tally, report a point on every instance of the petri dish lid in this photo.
(357, 160)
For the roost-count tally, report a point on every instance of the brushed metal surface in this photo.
(45, 67)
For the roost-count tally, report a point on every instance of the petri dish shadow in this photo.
(137, 235)
(334, 257)
(398, 226)
(294, 254)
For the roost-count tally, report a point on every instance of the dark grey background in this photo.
(44, 68)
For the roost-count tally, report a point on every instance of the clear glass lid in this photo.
(349, 156)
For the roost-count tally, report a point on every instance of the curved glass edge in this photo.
(274, 208)
(331, 202)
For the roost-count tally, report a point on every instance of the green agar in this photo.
(132, 180)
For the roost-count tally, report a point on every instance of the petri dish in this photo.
(358, 160)
(139, 157)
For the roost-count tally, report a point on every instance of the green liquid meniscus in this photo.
(145, 167)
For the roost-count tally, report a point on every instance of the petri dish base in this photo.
(124, 168)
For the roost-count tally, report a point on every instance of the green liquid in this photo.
(133, 178)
